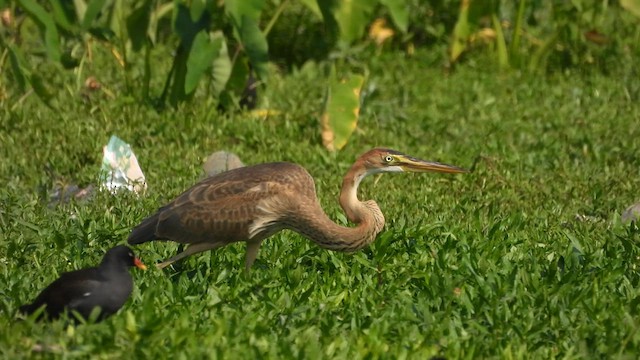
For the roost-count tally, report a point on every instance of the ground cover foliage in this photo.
(524, 257)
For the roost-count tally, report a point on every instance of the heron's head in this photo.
(387, 160)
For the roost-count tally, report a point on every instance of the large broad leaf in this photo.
(187, 30)
(326, 8)
(633, 6)
(238, 9)
(221, 68)
(399, 13)
(245, 16)
(138, 25)
(62, 14)
(184, 26)
(229, 98)
(255, 44)
(352, 17)
(203, 51)
(93, 9)
(197, 8)
(80, 7)
(47, 27)
(342, 108)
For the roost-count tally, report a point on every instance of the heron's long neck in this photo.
(366, 215)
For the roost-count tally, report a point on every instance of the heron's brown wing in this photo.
(223, 207)
(214, 213)
(240, 180)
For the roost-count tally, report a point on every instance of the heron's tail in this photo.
(144, 232)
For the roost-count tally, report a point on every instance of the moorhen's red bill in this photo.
(106, 287)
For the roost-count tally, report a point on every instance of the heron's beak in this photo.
(139, 264)
(411, 164)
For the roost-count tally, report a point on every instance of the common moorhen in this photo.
(106, 287)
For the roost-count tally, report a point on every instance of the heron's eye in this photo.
(388, 158)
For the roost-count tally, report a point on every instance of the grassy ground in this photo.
(524, 257)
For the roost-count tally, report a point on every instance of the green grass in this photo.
(467, 266)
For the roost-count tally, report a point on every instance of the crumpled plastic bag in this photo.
(120, 168)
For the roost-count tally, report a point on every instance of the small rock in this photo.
(221, 161)
(631, 214)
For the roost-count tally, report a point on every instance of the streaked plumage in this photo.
(254, 202)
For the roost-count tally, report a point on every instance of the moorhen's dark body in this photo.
(106, 286)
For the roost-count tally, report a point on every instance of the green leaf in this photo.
(117, 11)
(468, 18)
(16, 61)
(501, 44)
(68, 61)
(80, 7)
(342, 108)
(47, 27)
(238, 9)
(235, 84)
(61, 15)
(93, 9)
(352, 17)
(245, 16)
(187, 31)
(514, 49)
(461, 32)
(313, 6)
(178, 75)
(399, 13)
(40, 88)
(138, 25)
(196, 9)
(203, 51)
(331, 27)
(184, 26)
(633, 6)
(538, 57)
(221, 68)
(255, 44)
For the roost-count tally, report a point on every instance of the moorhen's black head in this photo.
(106, 287)
(120, 257)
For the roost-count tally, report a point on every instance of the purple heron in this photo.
(254, 202)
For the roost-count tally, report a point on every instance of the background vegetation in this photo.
(525, 257)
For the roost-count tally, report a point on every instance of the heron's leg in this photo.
(252, 253)
(192, 249)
